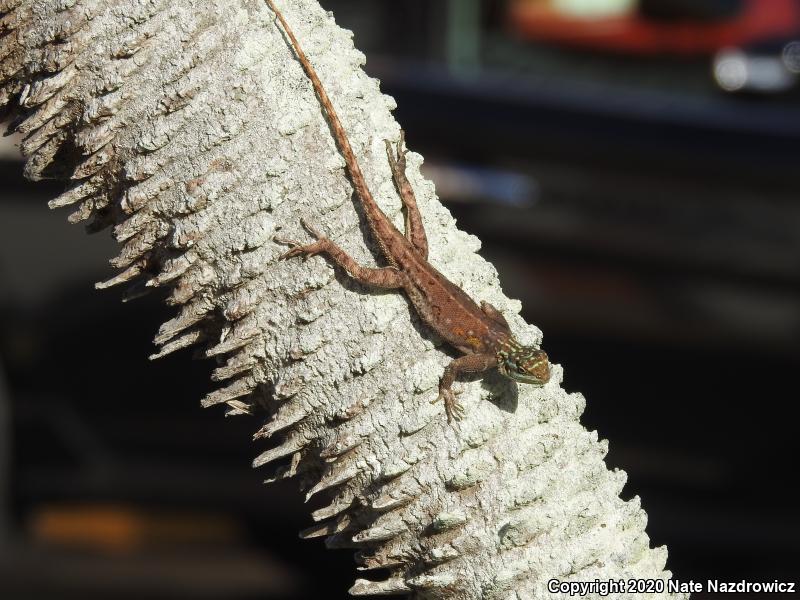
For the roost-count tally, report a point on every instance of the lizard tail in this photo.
(340, 135)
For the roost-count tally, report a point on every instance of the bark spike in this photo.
(341, 504)
(339, 447)
(131, 272)
(389, 587)
(339, 525)
(190, 338)
(337, 475)
(239, 388)
(380, 533)
(438, 581)
(291, 413)
(75, 194)
(290, 446)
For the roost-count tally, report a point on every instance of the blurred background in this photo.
(632, 169)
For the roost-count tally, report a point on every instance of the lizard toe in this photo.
(291, 253)
(304, 250)
(311, 229)
(293, 246)
(455, 411)
(452, 407)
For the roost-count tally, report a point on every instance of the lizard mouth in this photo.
(528, 378)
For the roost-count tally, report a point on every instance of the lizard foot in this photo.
(453, 408)
(304, 250)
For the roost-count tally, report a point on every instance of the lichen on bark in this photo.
(190, 131)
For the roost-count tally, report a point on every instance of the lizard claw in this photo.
(452, 407)
(296, 249)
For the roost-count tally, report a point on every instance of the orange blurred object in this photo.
(119, 529)
(757, 21)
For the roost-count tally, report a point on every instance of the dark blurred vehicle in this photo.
(753, 43)
(767, 68)
(656, 26)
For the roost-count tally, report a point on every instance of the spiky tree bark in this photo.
(189, 129)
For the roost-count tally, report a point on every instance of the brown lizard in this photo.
(481, 333)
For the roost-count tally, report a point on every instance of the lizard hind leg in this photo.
(388, 278)
(415, 230)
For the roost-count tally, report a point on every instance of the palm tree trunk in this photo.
(190, 130)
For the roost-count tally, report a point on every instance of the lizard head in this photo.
(525, 364)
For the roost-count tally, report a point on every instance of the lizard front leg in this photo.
(470, 363)
(415, 230)
(387, 277)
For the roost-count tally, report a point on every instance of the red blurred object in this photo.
(757, 21)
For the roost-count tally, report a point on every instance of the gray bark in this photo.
(190, 130)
